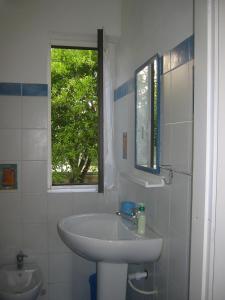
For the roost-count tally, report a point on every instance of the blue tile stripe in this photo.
(23, 89)
(124, 89)
(10, 89)
(34, 89)
(179, 55)
(174, 58)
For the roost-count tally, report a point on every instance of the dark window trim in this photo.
(101, 114)
(152, 99)
(74, 47)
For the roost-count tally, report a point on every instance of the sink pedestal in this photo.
(111, 281)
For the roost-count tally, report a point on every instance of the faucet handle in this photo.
(21, 255)
(134, 211)
(19, 259)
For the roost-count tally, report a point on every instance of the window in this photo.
(76, 116)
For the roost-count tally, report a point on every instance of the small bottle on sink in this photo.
(141, 219)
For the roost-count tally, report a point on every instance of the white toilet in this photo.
(24, 284)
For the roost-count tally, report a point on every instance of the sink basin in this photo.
(108, 238)
(112, 243)
(24, 284)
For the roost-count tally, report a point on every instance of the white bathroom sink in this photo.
(24, 284)
(108, 238)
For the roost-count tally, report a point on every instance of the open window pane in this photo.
(74, 116)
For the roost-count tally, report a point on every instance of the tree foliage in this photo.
(74, 112)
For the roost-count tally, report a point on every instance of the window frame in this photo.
(80, 46)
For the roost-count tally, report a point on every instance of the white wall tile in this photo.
(89, 202)
(163, 204)
(111, 199)
(10, 238)
(124, 123)
(178, 102)
(10, 112)
(177, 146)
(10, 144)
(55, 244)
(165, 144)
(35, 238)
(151, 213)
(127, 190)
(175, 292)
(35, 112)
(10, 207)
(162, 271)
(178, 263)
(34, 208)
(34, 176)
(8, 259)
(166, 97)
(61, 291)
(85, 266)
(34, 144)
(60, 268)
(181, 204)
(81, 271)
(59, 206)
(182, 147)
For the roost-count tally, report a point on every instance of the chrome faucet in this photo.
(133, 217)
(19, 259)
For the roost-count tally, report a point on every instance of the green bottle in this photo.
(141, 219)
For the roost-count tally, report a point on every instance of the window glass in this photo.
(74, 116)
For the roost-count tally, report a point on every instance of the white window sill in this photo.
(74, 189)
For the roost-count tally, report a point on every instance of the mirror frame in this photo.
(150, 169)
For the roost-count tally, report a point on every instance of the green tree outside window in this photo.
(74, 116)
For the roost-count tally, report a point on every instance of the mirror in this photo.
(147, 116)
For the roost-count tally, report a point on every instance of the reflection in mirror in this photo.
(147, 117)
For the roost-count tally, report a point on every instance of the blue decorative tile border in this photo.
(174, 58)
(179, 55)
(124, 89)
(10, 89)
(34, 89)
(23, 89)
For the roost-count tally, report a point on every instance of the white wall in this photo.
(28, 215)
(150, 27)
(26, 27)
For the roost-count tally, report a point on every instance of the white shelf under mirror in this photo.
(144, 179)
